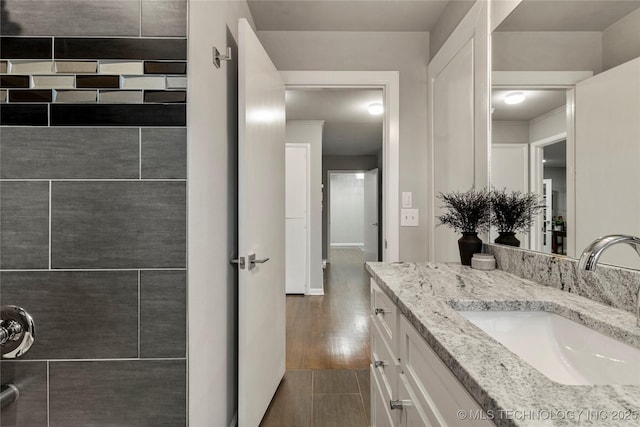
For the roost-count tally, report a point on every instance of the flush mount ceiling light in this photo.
(514, 98)
(376, 109)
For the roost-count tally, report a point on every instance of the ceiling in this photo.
(349, 130)
(567, 15)
(537, 102)
(346, 15)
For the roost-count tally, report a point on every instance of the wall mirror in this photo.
(574, 137)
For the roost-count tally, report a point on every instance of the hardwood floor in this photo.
(332, 331)
(327, 378)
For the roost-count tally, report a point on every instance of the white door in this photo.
(371, 221)
(296, 217)
(261, 228)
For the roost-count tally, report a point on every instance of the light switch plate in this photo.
(406, 199)
(409, 218)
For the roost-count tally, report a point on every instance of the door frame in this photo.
(389, 82)
(536, 170)
(307, 147)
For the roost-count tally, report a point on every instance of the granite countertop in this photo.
(504, 384)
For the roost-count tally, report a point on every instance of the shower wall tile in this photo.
(24, 221)
(165, 96)
(164, 153)
(113, 48)
(30, 95)
(158, 67)
(53, 82)
(121, 96)
(121, 67)
(125, 393)
(24, 114)
(166, 18)
(176, 82)
(25, 47)
(163, 309)
(101, 307)
(98, 81)
(143, 82)
(14, 81)
(118, 224)
(118, 115)
(76, 66)
(30, 67)
(75, 96)
(71, 18)
(69, 153)
(31, 407)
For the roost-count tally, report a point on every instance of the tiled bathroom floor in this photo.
(321, 398)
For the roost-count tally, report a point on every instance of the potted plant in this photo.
(467, 213)
(513, 212)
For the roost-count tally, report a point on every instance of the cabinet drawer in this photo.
(384, 313)
(380, 411)
(437, 391)
(412, 414)
(384, 361)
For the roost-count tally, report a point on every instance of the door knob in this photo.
(17, 331)
(253, 261)
(399, 404)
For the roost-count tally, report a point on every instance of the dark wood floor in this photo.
(327, 378)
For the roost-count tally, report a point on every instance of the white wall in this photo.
(212, 214)
(310, 132)
(347, 209)
(621, 41)
(407, 52)
(547, 50)
(549, 124)
(513, 132)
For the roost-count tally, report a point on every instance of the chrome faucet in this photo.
(589, 257)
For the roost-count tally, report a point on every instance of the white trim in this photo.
(347, 245)
(317, 292)
(389, 81)
(536, 174)
(538, 79)
(548, 114)
(307, 147)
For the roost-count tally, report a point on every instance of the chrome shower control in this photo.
(17, 331)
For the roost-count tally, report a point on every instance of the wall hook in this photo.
(217, 56)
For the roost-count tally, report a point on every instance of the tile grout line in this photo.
(313, 376)
(48, 394)
(138, 314)
(364, 409)
(139, 153)
(50, 197)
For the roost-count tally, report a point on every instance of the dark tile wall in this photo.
(93, 188)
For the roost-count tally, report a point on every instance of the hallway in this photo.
(327, 378)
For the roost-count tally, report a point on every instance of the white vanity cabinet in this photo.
(410, 385)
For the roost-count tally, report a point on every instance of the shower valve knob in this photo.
(17, 331)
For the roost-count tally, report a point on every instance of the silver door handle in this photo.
(253, 261)
(399, 404)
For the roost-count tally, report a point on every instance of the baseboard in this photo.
(316, 292)
(234, 421)
(347, 245)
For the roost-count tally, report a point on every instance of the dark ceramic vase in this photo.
(469, 244)
(507, 238)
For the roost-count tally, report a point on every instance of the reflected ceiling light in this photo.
(544, 160)
(376, 109)
(360, 176)
(514, 98)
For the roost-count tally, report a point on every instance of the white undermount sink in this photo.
(563, 350)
